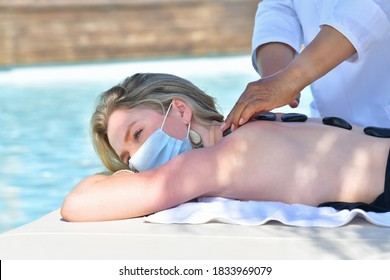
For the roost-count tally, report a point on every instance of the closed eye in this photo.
(137, 135)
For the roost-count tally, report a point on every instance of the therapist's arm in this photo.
(273, 57)
(328, 49)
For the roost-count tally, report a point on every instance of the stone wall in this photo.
(44, 31)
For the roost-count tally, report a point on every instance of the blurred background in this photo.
(47, 31)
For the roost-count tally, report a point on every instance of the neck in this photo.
(210, 134)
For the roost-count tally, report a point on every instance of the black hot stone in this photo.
(338, 122)
(294, 117)
(377, 131)
(266, 116)
(227, 132)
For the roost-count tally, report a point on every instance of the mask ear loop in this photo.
(188, 129)
(166, 115)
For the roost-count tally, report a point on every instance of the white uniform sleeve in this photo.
(363, 22)
(276, 21)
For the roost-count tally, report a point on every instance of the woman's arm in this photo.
(104, 197)
(126, 195)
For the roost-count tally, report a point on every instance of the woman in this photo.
(168, 129)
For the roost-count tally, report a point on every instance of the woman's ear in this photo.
(183, 109)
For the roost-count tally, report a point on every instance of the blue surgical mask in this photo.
(158, 149)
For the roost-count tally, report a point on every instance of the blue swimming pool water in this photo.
(44, 113)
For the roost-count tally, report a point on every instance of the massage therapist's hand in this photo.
(262, 95)
(327, 50)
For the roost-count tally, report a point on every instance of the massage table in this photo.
(50, 237)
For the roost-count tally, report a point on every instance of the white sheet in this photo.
(216, 209)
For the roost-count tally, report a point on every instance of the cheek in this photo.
(176, 129)
(114, 144)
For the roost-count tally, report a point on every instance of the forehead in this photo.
(120, 116)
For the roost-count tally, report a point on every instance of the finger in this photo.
(251, 110)
(234, 116)
(295, 103)
(229, 119)
(228, 122)
(223, 126)
(245, 110)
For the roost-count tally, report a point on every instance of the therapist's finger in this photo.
(233, 119)
(244, 110)
(253, 109)
(257, 97)
(295, 102)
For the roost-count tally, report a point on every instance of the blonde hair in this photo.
(152, 90)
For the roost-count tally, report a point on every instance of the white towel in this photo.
(231, 211)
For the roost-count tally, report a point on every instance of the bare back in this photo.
(307, 163)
